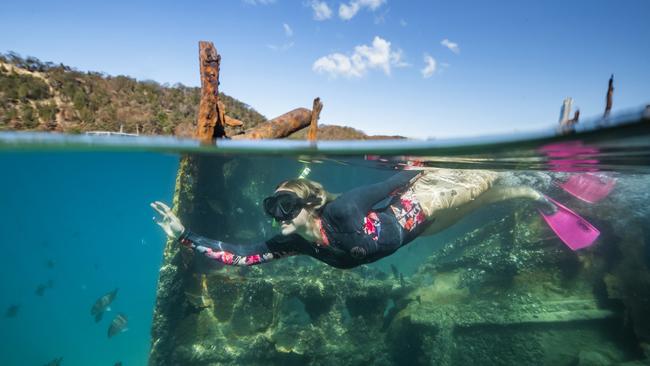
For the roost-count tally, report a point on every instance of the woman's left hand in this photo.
(170, 223)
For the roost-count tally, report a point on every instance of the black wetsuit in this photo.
(360, 226)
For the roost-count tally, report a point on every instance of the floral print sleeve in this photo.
(235, 254)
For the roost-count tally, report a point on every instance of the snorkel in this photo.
(304, 173)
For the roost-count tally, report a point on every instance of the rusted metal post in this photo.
(568, 124)
(279, 127)
(315, 115)
(211, 118)
(610, 94)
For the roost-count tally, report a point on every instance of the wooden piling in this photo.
(315, 115)
(211, 120)
(610, 94)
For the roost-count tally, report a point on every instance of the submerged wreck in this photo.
(507, 293)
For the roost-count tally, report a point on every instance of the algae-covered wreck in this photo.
(506, 293)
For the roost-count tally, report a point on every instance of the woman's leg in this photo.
(439, 189)
(449, 195)
(447, 217)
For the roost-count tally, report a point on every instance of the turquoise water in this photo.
(76, 217)
(88, 214)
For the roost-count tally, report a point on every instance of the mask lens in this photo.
(283, 206)
(269, 204)
(286, 204)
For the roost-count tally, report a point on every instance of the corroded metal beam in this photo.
(233, 122)
(279, 127)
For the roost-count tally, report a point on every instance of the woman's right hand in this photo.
(170, 223)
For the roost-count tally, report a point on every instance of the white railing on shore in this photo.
(111, 133)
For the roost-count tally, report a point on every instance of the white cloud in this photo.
(258, 2)
(336, 64)
(378, 56)
(287, 30)
(429, 66)
(348, 11)
(321, 10)
(453, 47)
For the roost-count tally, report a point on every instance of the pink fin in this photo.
(589, 187)
(572, 229)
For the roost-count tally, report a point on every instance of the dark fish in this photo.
(117, 325)
(118, 363)
(102, 304)
(12, 311)
(395, 272)
(55, 362)
(40, 290)
(50, 264)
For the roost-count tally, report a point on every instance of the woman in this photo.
(362, 225)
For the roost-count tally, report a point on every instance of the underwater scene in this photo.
(506, 251)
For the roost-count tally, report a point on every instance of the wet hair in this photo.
(305, 189)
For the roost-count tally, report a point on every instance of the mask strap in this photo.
(312, 201)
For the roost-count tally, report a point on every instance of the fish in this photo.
(118, 325)
(101, 305)
(50, 263)
(395, 271)
(40, 290)
(12, 311)
(55, 362)
(118, 363)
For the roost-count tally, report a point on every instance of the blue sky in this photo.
(419, 68)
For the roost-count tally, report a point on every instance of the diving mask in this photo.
(286, 205)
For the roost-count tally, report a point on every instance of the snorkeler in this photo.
(370, 222)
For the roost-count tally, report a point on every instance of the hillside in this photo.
(44, 96)
(333, 132)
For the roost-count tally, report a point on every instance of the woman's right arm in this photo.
(237, 254)
(226, 253)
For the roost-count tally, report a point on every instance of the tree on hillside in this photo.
(47, 112)
(10, 114)
(29, 118)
